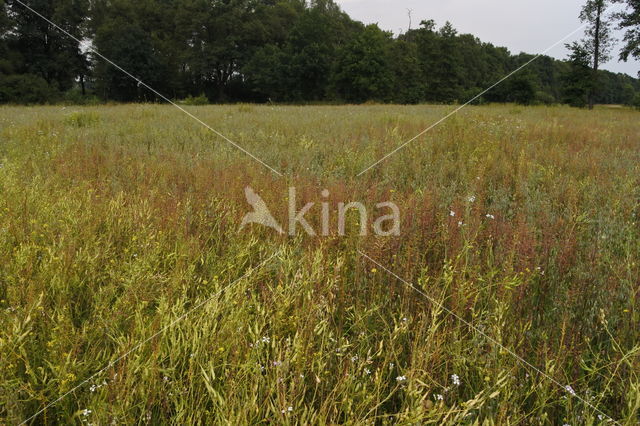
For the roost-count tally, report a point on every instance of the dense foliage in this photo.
(264, 50)
(629, 21)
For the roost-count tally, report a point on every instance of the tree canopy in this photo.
(269, 50)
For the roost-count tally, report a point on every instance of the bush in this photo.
(198, 100)
(471, 93)
(545, 98)
(636, 101)
(75, 97)
(26, 89)
(82, 119)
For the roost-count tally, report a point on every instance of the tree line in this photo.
(285, 51)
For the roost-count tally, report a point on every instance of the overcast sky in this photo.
(521, 25)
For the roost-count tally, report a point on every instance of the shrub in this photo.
(198, 100)
(75, 97)
(82, 119)
(544, 98)
(26, 89)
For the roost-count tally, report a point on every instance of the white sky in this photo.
(529, 26)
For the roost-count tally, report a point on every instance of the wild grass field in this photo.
(520, 232)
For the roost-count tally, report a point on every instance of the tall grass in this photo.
(117, 220)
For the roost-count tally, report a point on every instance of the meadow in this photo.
(120, 247)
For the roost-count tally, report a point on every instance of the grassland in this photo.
(118, 220)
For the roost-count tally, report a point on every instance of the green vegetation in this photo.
(290, 51)
(117, 220)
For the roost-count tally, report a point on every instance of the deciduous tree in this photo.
(363, 69)
(38, 50)
(578, 79)
(598, 40)
(629, 20)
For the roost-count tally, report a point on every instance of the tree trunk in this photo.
(596, 55)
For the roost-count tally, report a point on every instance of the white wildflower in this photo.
(439, 397)
(472, 199)
(570, 390)
(452, 213)
(490, 216)
(86, 412)
(455, 379)
(367, 371)
(401, 378)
